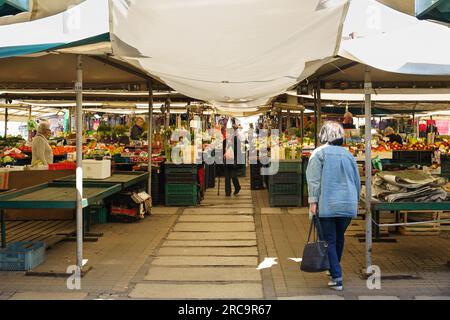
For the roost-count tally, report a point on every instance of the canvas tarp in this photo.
(239, 54)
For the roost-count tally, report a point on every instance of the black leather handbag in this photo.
(315, 254)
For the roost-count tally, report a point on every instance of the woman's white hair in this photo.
(43, 125)
(330, 132)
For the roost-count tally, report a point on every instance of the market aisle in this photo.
(211, 253)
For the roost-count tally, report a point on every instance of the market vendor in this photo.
(393, 137)
(138, 129)
(347, 123)
(41, 151)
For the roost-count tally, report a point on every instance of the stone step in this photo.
(218, 206)
(216, 218)
(211, 227)
(212, 236)
(205, 261)
(197, 291)
(209, 243)
(211, 274)
(219, 211)
(201, 251)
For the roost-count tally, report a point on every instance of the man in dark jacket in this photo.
(232, 161)
(138, 129)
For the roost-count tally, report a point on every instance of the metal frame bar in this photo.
(368, 150)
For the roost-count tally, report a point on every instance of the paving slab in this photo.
(219, 211)
(271, 211)
(432, 297)
(49, 296)
(199, 251)
(321, 297)
(197, 291)
(211, 236)
(229, 226)
(209, 243)
(205, 261)
(378, 298)
(203, 274)
(164, 210)
(298, 211)
(240, 205)
(216, 218)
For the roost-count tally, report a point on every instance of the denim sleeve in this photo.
(314, 177)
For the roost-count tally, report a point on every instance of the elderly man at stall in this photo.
(41, 151)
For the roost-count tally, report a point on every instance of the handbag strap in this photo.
(319, 227)
(310, 230)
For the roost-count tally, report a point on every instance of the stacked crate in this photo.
(181, 185)
(420, 157)
(157, 187)
(256, 180)
(305, 183)
(285, 187)
(445, 165)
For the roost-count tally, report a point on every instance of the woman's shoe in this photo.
(336, 285)
(236, 192)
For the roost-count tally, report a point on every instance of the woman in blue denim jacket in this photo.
(334, 187)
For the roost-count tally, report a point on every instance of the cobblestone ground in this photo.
(212, 251)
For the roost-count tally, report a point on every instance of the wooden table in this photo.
(61, 195)
(124, 179)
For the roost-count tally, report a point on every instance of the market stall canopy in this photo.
(238, 55)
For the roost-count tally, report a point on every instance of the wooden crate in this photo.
(425, 229)
(358, 228)
(445, 226)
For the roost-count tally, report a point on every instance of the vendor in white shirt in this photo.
(41, 151)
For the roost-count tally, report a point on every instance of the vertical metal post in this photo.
(79, 172)
(150, 135)
(288, 125)
(6, 122)
(3, 226)
(319, 106)
(30, 116)
(368, 139)
(316, 122)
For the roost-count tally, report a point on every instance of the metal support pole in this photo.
(79, 175)
(6, 122)
(3, 223)
(319, 106)
(316, 122)
(150, 135)
(368, 139)
(30, 116)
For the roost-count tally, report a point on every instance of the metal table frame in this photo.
(136, 178)
(404, 206)
(7, 200)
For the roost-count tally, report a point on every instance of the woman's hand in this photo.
(313, 208)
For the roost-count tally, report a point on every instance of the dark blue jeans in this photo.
(333, 233)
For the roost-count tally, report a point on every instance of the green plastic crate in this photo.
(285, 189)
(294, 166)
(96, 214)
(180, 168)
(181, 200)
(285, 178)
(181, 189)
(285, 200)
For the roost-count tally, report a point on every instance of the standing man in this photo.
(138, 129)
(233, 159)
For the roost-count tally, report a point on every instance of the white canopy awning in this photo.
(237, 54)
